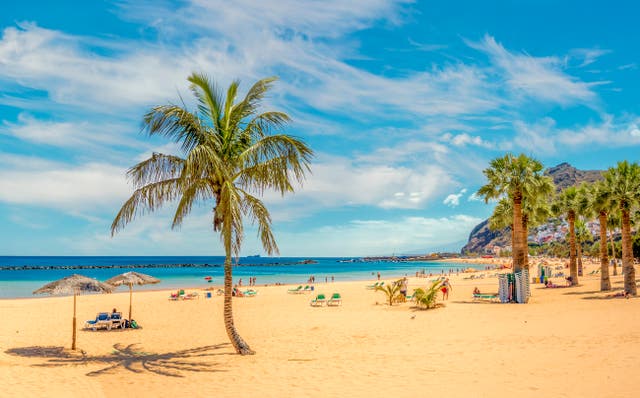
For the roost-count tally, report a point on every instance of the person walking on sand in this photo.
(378, 276)
(446, 287)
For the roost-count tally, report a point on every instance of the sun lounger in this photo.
(191, 296)
(103, 320)
(296, 290)
(318, 301)
(116, 320)
(335, 300)
(307, 289)
(480, 296)
(377, 284)
(249, 293)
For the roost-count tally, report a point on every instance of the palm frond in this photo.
(198, 190)
(177, 124)
(146, 199)
(209, 97)
(157, 168)
(259, 214)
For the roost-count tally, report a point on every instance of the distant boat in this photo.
(254, 256)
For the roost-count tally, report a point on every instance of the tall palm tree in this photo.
(596, 203)
(623, 183)
(231, 152)
(566, 204)
(516, 178)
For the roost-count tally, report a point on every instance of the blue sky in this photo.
(404, 103)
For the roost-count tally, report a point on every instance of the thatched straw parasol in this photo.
(74, 284)
(132, 278)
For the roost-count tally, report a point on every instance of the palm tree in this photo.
(596, 202)
(567, 203)
(623, 184)
(516, 178)
(231, 152)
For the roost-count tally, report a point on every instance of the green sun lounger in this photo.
(335, 300)
(296, 290)
(490, 297)
(318, 301)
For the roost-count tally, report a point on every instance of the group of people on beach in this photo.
(252, 281)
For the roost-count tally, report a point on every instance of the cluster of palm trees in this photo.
(232, 154)
(526, 198)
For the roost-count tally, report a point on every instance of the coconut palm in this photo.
(567, 204)
(231, 153)
(596, 203)
(623, 185)
(516, 178)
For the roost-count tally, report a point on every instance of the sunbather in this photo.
(476, 290)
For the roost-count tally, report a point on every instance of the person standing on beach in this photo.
(378, 276)
(446, 287)
(404, 285)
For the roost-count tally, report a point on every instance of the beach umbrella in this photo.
(129, 279)
(74, 284)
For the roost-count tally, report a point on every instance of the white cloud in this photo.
(540, 78)
(465, 139)
(80, 134)
(474, 197)
(544, 137)
(588, 55)
(90, 187)
(453, 200)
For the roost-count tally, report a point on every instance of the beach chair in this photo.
(307, 289)
(318, 301)
(249, 293)
(371, 287)
(296, 290)
(335, 300)
(116, 320)
(103, 320)
(489, 297)
(191, 296)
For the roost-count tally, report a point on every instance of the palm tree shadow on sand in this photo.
(131, 358)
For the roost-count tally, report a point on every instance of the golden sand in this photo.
(572, 342)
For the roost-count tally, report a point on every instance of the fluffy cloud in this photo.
(453, 200)
(90, 187)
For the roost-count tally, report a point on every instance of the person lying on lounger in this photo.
(476, 290)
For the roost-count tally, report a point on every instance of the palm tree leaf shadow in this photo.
(131, 358)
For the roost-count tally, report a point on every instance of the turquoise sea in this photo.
(20, 276)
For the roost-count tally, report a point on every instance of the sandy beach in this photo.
(568, 342)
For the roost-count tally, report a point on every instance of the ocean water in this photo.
(190, 271)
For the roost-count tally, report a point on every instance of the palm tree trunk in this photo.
(130, 300)
(525, 239)
(517, 246)
(605, 281)
(573, 269)
(579, 254)
(613, 254)
(238, 343)
(73, 337)
(627, 255)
